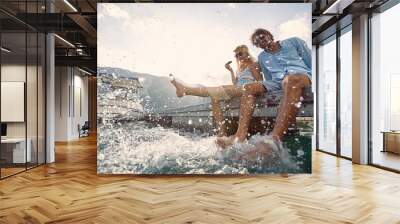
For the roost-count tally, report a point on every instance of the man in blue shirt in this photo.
(286, 65)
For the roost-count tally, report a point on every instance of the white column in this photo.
(360, 90)
(50, 92)
(50, 98)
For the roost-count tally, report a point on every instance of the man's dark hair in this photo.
(260, 31)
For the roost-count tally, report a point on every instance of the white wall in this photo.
(62, 81)
(12, 73)
(79, 117)
(70, 83)
(33, 126)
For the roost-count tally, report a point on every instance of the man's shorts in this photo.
(275, 85)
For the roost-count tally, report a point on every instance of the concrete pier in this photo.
(200, 116)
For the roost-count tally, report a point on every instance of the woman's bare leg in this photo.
(218, 116)
(234, 91)
(182, 90)
(218, 92)
(247, 106)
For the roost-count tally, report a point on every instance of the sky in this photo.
(191, 41)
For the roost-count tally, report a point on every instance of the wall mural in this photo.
(204, 88)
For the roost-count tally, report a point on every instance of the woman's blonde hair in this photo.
(241, 48)
(245, 49)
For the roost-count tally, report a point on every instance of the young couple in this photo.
(282, 65)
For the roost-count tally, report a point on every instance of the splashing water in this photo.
(137, 148)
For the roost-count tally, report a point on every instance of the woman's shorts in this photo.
(242, 82)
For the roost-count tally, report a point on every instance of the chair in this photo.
(84, 130)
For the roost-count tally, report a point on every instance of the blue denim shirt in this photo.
(293, 57)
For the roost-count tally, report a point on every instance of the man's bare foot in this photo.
(225, 142)
(221, 133)
(264, 148)
(260, 149)
(221, 130)
(180, 88)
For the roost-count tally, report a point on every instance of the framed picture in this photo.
(205, 88)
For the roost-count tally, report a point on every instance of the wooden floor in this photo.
(386, 159)
(70, 191)
(10, 171)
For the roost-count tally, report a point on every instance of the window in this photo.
(346, 93)
(327, 96)
(385, 89)
(22, 87)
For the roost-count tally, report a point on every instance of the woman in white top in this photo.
(247, 71)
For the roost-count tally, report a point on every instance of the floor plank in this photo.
(70, 191)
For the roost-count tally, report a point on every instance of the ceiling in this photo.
(76, 22)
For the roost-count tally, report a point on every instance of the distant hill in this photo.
(157, 91)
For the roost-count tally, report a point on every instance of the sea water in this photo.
(137, 147)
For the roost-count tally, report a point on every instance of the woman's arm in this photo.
(228, 66)
(255, 71)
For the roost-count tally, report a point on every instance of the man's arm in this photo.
(264, 70)
(255, 71)
(304, 51)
